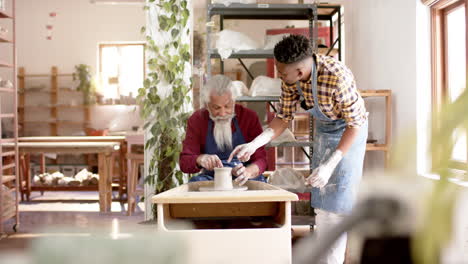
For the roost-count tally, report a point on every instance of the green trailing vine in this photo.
(165, 92)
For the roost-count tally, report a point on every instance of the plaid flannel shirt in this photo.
(337, 94)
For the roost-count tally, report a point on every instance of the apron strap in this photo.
(313, 82)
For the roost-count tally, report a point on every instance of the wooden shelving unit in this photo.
(9, 170)
(53, 106)
(383, 146)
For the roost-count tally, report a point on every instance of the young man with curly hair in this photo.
(326, 88)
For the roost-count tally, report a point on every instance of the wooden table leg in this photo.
(22, 182)
(102, 167)
(43, 163)
(130, 190)
(105, 161)
(122, 172)
(27, 160)
(110, 171)
(129, 165)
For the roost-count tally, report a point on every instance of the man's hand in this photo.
(238, 170)
(243, 174)
(209, 162)
(321, 175)
(243, 152)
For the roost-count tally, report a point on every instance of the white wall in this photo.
(387, 50)
(423, 85)
(78, 29)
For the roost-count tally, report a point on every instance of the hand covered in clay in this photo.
(243, 174)
(244, 151)
(321, 175)
(209, 162)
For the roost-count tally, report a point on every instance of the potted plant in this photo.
(86, 84)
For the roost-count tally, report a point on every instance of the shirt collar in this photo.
(318, 60)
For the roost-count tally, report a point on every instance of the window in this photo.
(121, 69)
(449, 58)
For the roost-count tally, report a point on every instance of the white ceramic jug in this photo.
(223, 178)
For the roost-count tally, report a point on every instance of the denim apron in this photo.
(212, 148)
(339, 194)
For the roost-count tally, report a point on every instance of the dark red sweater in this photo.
(197, 129)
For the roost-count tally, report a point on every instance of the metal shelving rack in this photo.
(258, 12)
(261, 12)
(310, 12)
(9, 172)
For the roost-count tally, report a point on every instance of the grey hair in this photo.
(220, 84)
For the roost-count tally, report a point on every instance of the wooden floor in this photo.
(72, 214)
(58, 213)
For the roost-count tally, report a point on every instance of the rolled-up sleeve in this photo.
(350, 102)
(287, 103)
(190, 147)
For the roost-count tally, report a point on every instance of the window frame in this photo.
(439, 65)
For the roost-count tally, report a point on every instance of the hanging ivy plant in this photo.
(164, 96)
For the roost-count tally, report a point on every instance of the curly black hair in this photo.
(292, 48)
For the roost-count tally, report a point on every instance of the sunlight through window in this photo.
(122, 69)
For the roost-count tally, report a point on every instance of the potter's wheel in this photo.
(212, 189)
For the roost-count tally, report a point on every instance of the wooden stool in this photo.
(132, 181)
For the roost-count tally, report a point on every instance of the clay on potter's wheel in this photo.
(223, 181)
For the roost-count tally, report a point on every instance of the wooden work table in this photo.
(122, 172)
(257, 220)
(105, 161)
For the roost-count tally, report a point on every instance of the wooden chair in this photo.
(132, 182)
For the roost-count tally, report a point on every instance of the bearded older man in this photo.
(215, 130)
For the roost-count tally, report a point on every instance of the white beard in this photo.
(222, 131)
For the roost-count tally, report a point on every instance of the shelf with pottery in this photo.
(9, 155)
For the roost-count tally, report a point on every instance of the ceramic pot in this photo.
(223, 178)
